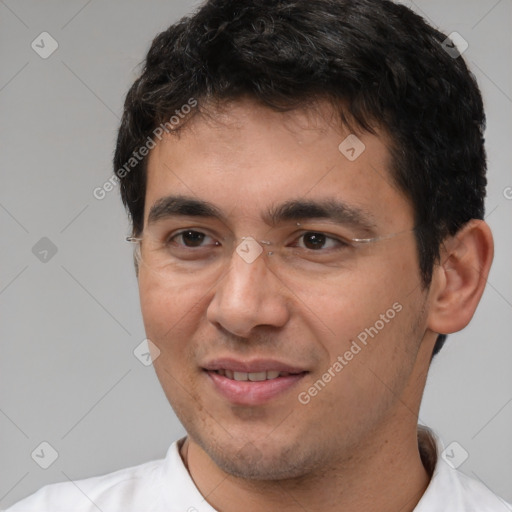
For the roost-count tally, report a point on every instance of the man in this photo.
(306, 182)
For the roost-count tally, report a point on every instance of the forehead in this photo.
(246, 158)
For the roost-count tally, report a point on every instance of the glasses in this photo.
(196, 251)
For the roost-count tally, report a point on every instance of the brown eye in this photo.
(190, 238)
(314, 240)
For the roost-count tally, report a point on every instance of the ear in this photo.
(459, 279)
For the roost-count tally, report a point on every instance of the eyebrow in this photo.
(326, 209)
(172, 206)
(292, 210)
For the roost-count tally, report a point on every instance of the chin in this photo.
(268, 461)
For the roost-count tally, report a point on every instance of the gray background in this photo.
(69, 324)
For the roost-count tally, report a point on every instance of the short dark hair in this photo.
(380, 64)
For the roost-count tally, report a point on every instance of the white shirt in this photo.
(166, 486)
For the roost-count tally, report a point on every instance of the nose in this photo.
(248, 295)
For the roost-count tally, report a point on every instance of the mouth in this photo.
(252, 383)
(253, 376)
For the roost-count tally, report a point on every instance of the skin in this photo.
(356, 439)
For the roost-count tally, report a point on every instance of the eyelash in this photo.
(341, 243)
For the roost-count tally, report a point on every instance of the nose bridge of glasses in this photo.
(249, 249)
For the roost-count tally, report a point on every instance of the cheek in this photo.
(346, 305)
(171, 317)
(374, 306)
(370, 362)
(169, 311)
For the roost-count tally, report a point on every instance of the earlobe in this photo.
(460, 278)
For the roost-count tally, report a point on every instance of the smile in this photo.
(252, 376)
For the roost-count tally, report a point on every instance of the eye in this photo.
(191, 238)
(315, 241)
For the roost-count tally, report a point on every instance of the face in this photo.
(333, 328)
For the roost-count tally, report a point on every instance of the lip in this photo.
(249, 393)
(252, 393)
(256, 365)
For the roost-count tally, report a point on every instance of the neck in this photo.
(387, 474)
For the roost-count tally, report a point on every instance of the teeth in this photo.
(256, 376)
(252, 376)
